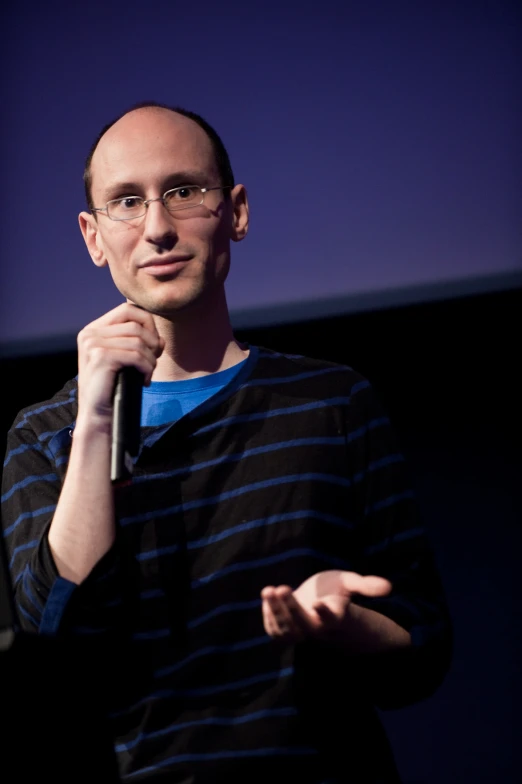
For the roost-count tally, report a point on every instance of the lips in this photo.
(164, 261)
(165, 265)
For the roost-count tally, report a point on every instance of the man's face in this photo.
(162, 261)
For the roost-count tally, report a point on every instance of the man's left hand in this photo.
(321, 607)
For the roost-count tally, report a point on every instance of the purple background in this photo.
(379, 143)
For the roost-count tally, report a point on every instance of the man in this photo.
(263, 582)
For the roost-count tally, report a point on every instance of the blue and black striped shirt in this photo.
(291, 469)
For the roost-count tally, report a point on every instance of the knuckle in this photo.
(134, 328)
(96, 353)
(89, 345)
(83, 336)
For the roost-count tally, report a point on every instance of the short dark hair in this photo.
(224, 167)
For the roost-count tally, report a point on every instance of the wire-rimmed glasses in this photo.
(180, 198)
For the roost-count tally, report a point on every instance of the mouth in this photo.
(165, 265)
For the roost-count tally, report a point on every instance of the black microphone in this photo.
(126, 417)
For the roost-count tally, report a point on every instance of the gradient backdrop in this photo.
(380, 144)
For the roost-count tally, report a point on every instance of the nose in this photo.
(160, 228)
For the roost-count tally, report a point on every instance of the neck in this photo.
(198, 342)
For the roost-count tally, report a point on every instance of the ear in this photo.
(240, 215)
(91, 235)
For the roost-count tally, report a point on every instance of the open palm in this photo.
(319, 607)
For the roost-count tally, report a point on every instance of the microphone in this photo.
(126, 417)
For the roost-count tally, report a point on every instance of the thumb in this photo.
(367, 585)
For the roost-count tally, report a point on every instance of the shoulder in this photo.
(273, 367)
(304, 379)
(49, 415)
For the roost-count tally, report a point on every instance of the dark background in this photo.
(448, 374)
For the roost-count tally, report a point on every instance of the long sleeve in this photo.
(394, 544)
(33, 473)
(30, 489)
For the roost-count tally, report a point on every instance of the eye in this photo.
(129, 203)
(183, 197)
(185, 193)
(126, 208)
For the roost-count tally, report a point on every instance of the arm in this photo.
(83, 530)
(395, 628)
(57, 503)
(395, 545)
(83, 527)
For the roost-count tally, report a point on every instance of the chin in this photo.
(170, 308)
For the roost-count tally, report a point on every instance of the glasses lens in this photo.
(183, 197)
(125, 209)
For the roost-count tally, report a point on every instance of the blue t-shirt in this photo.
(167, 401)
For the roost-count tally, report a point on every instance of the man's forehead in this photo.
(147, 136)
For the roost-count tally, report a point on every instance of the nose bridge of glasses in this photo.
(162, 213)
(159, 219)
(162, 199)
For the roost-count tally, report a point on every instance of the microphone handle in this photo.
(126, 417)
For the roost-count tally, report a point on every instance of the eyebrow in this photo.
(189, 177)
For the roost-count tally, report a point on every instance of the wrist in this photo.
(91, 430)
(368, 631)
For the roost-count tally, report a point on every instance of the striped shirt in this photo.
(290, 470)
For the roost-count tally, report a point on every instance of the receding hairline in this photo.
(218, 150)
(150, 110)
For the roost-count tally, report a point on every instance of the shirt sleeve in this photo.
(33, 473)
(393, 543)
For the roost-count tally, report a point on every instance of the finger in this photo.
(277, 617)
(123, 342)
(95, 332)
(367, 585)
(305, 621)
(268, 596)
(267, 592)
(137, 320)
(274, 627)
(278, 602)
(274, 594)
(127, 312)
(145, 319)
(268, 618)
(115, 353)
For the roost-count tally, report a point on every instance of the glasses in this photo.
(181, 198)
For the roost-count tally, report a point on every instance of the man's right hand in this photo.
(126, 335)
